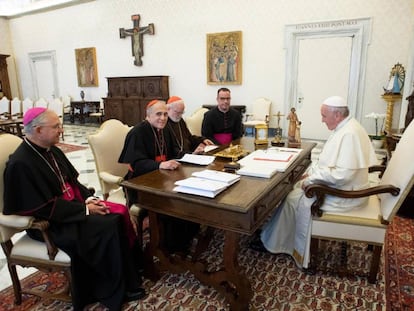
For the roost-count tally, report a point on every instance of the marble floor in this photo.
(84, 163)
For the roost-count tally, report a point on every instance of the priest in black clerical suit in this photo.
(149, 146)
(40, 181)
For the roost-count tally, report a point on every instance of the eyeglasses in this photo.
(225, 98)
(55, 127)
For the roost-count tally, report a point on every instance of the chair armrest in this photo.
(377, 168)
(19, 223)
(248, 115)
(320, 191)
(16, 221)
(43, 225)
(110, 178)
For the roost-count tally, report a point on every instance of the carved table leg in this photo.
(229, 281)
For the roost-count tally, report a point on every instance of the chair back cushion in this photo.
(26, 104)
(195, 120)
(4, 107)
(106, 145)
(399, 173)
(9, 144)
(261, 109)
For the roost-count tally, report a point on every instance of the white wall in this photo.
(178, 48)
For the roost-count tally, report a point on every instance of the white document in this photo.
(200, 186)
(265, 163)
(227, 178)
(257, 171)
(197, 159)
(209, 148)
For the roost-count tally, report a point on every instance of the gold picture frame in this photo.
(224, 58)
(86, 67)
(261, 134)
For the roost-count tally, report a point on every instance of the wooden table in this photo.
(240, 209)
(12, 126)
(84, 108)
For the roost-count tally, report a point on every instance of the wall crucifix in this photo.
(136, 33)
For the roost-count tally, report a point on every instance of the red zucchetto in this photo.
(174, 99)
(152, 103)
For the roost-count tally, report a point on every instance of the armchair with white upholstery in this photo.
(4, 108)
(57, 106)
(367, 224)
(100, 113)
(106, 145)
(19, 248)
(27, 103)
(16, 108)
(41, 102)
(260, 113)
(195, 120)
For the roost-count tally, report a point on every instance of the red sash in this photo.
(72, 192)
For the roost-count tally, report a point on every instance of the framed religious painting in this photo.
(86, 67)
(224, 58)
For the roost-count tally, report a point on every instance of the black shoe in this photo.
(258, 246)
(135, 295)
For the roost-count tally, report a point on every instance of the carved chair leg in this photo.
(343, 269)
(376, 256)
(314, 245)
(16, 284)
(7, 247)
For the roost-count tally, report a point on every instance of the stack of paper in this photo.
(197, 159)
(207, 183)
(265, 163)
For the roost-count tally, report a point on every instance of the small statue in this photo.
(396, 80)
(294, 139)
(293, 120)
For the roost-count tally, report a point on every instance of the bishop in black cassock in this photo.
(40, 181)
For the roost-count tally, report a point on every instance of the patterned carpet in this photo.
(276, 282)
(399, 264)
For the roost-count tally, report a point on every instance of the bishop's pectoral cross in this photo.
(137, 34)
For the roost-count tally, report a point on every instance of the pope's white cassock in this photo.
(342, 164)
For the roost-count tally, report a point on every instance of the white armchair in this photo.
(106, 145)
(260, 113)
(195, 120)
(367, 224)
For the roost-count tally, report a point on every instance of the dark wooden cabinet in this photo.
(4, 78)
(129, 96)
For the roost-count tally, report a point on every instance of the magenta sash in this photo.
(223, 138)
(115, 208)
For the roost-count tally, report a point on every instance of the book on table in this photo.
(206, 183)
(266, 163)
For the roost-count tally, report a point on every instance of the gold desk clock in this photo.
(261, 132)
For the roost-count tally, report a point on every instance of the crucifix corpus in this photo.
(136, 33)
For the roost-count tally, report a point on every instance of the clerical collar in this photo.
(37, 147)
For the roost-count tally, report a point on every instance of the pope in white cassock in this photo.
(343, 164)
